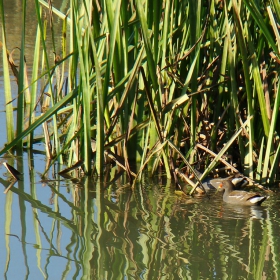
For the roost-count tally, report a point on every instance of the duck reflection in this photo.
(240, 212)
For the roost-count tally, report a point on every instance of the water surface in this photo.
(58, 229)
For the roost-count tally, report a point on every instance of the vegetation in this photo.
(155, 83)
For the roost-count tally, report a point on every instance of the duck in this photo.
(240, 197)
(213, 184)
(210, 184)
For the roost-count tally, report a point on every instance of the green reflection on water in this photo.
(106, 230)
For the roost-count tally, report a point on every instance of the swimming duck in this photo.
(240, 197)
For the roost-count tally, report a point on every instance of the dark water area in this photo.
(82, 228)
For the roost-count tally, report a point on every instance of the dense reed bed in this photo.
(158, 83)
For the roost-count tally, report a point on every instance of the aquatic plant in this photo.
(159, 83)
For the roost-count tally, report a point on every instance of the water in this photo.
(60, 228)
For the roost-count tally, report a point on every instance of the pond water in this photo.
(60, 228)
(63, 229)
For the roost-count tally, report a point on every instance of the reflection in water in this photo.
(105, 230)
(242, 212)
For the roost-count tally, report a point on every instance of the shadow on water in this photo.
(105, 230)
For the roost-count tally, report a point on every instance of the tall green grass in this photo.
(6, 78)
(141, 73)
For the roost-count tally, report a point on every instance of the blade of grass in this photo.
(148, 47)
(259, 19)
(270, 140)
(156, 122)
(49, 75)
(20, 104)
(248, 160)
(33, 85)
(7, 81)
(260, 162)
(274, 165)
(40, 120)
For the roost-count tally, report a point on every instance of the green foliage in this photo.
(182, 71)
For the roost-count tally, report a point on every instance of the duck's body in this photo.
(240, 197)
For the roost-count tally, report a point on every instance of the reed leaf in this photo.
(49, 75)
(148, 47)
(7, 81)
(21, 84)
(39, 121)
(34, 86)
(259, 19)
(271, 140)
(199, 80)
(241, 40)
(260, 161)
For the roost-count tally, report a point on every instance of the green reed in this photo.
(7, 81)
(143, 73)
